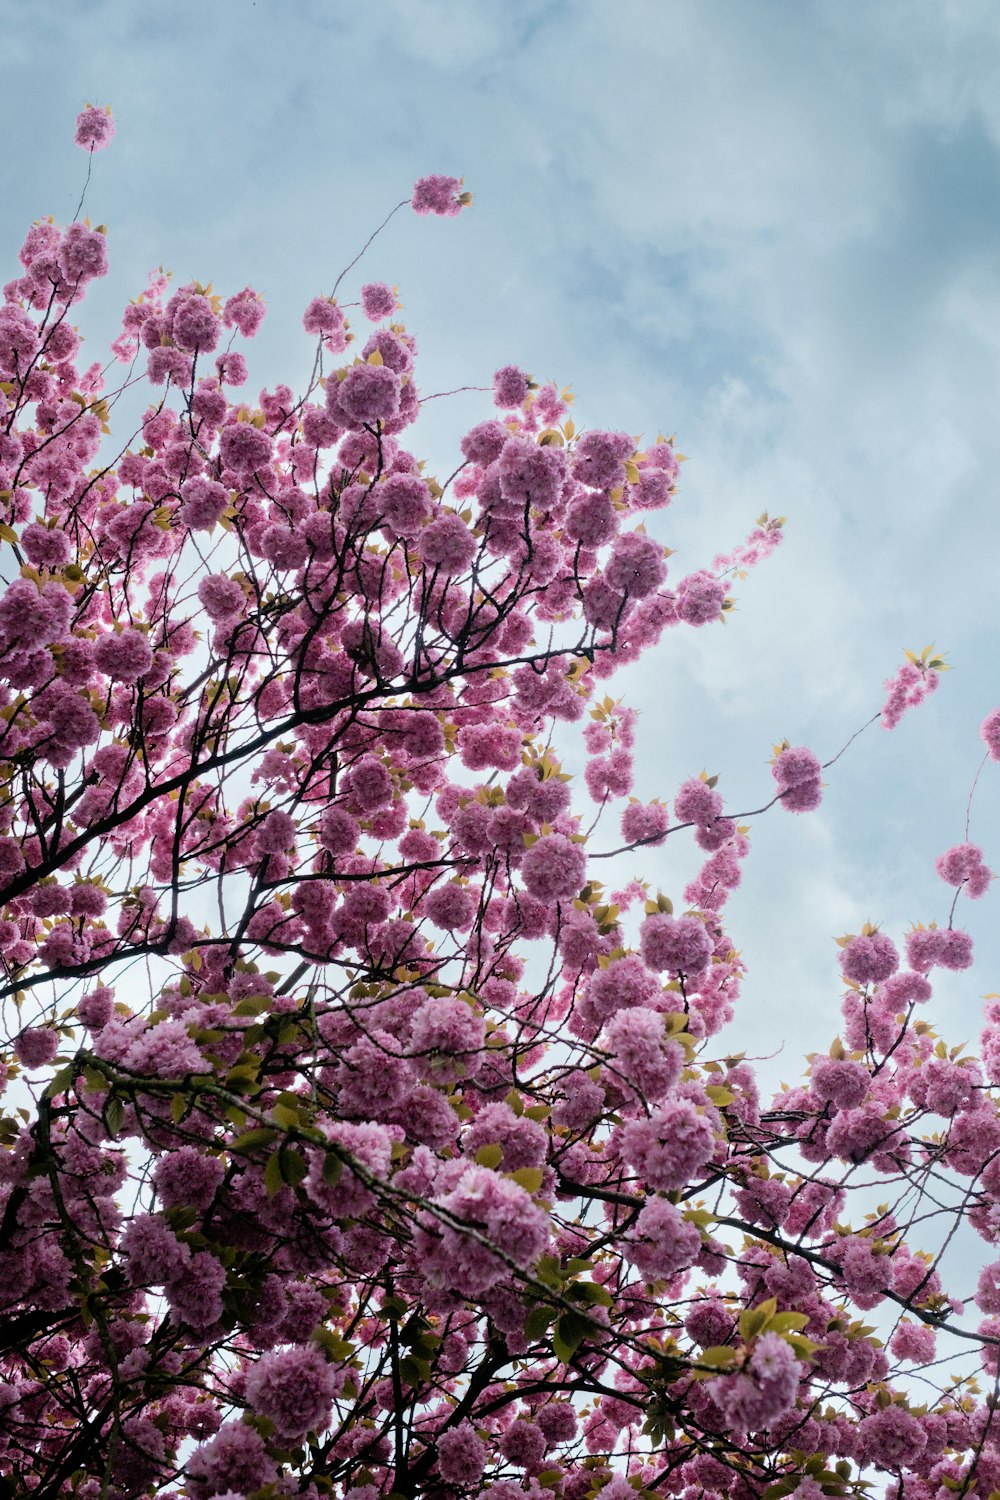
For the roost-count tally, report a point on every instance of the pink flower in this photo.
(697, 802)
(486, 746)
(529, 474)
(153, 1253)
(910, 686)
(94, 127)
(378, 301)
(523, 1444)
(438, 195)
(892, 1438)
(669, 1148)
(869, 959)
(645, 823)
(369, 784)
(31, 617)
(221, 597)
(195, 325)
(988, 1290)
(125, 656)
(323, 317)
(963, 865)
(232, 368)
(451, 907)
(797, 772)
(36, 1046)
(277, 833)
(662, 1242)
(405, 502)
(913, 1341)
(609, 776)
(510, 386)
(845, 1084)
(591, 520)
(637, 566)
(461, 1455)
(524, 1142)
(989, 732)
(514, 1224)
(637, 1041)
(195, 1296)
(46, 547)
(235, 1461)
(758, 1398)
(447, 544)
(369, 394)
(677, 943)
(187, 1176)
(447, 1036)
(484, 443)
(244, 448)
(624, 983)
(96, 1009)
(599, 460)
(554, 868)
(295, 1389)
(858, 1134)
(245, 311)
(948, 948)
(338, 831)
(699, 598)
(558, 1421)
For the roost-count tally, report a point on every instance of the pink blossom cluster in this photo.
(353, 1122)
(910, 686)
(963, 866)
(797, 772)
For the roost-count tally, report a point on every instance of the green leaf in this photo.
(787, 1322)
(274, 1179)
(61, 1082)
(594, 1293)
(253, 1005)
(699, 1217)
(489, 1156)
(783, 1487)
(243, 1077)
(537, 1322)
(754, 1320)
(293, 1166)
(332, 1168)
(113, 1113)
(717, 1357)
(569, 1333)
(333, 1346)
(414, 1371)
(260, 1135)
(286, 1115)
(530, 1178)
(804, 1348)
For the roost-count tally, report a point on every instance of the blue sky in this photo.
(769, 226)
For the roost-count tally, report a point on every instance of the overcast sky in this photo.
(767, 226)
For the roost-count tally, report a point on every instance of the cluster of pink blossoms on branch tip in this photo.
(916, 678)
(95, 127)
(356, 1141)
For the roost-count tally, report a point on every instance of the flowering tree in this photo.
(360, 1141)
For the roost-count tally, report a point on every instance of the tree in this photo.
(359, 1139)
